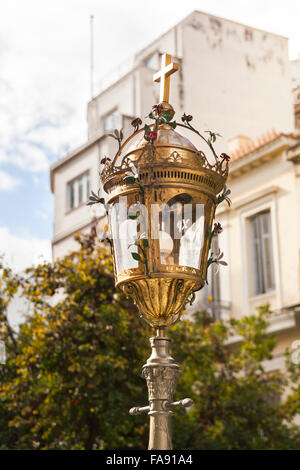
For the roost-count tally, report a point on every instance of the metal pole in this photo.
(161, 373)
(92, 55)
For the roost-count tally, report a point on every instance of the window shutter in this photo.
(78, 191)
(262, 251)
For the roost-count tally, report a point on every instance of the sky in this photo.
(45, 88)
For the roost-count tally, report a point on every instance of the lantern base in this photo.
(160, 300)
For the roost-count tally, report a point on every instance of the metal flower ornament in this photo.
(162, 195)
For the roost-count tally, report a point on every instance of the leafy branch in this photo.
(95, 199)
(187, 124)
(119, 136)
(132, 177)
(215, 259)
(224, 196)
(142, 244)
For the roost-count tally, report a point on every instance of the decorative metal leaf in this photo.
(112, 135)
(129, 180)
(145, 243)
(166, 115)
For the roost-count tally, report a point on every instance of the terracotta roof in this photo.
(262, 140)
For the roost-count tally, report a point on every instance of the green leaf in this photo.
(102, 200)
(129, 180)
(145, 243)
(167, 115)
(136, 256)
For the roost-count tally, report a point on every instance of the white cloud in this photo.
(8, 182)
(30, 157)
(22, 252)
(25, 156)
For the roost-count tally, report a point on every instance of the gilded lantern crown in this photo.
(162, 168)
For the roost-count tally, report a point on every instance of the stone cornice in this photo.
(279, 323)
(74, 153)
(260, 155)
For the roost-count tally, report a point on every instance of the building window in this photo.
(262, 253)
(78, 191)
(153, 61)
(111, 121)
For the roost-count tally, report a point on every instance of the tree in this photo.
(74, 368)
(237, 404)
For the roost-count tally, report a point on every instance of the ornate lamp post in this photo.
(162, 197)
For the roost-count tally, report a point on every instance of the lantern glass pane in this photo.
(181, 234)
(124, 234)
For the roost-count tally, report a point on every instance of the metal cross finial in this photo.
(163, 76)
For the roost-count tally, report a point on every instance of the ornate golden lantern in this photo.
(162, 196)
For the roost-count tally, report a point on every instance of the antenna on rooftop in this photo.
(92, 55)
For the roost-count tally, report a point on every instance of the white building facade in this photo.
(234, 80)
